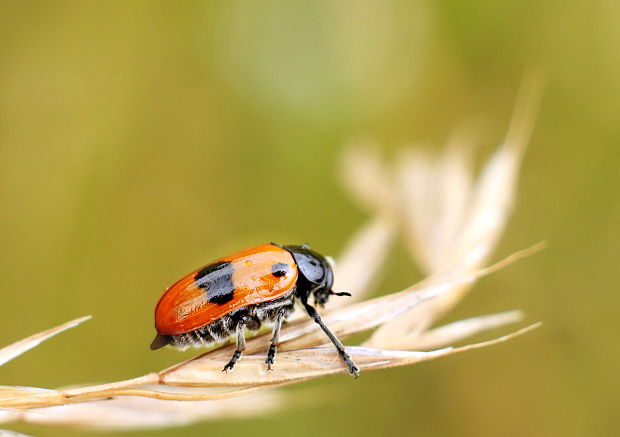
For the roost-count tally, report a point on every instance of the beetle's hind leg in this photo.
(275, 338)
(240, 345)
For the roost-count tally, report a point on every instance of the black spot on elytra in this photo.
(216, 280)
(280, 269)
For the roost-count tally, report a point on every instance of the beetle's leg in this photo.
(275, 338)
(353, 369)
(240, 345)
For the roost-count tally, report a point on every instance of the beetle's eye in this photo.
(280, 269)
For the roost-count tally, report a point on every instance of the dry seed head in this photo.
(452, 223)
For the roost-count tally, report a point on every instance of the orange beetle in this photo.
(246, 289)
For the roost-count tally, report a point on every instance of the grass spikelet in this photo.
(452, 221)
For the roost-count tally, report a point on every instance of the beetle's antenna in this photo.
(341, 293)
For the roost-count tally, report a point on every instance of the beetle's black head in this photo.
(315, 277)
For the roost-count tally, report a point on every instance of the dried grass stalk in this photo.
(297, 361)
(18, 348)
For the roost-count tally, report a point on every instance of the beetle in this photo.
(246, 289)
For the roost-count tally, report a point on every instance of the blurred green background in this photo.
(139, 140)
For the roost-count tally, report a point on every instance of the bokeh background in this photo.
(139, 140)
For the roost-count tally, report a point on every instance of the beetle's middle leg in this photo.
(240, 344)
(275, 338)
